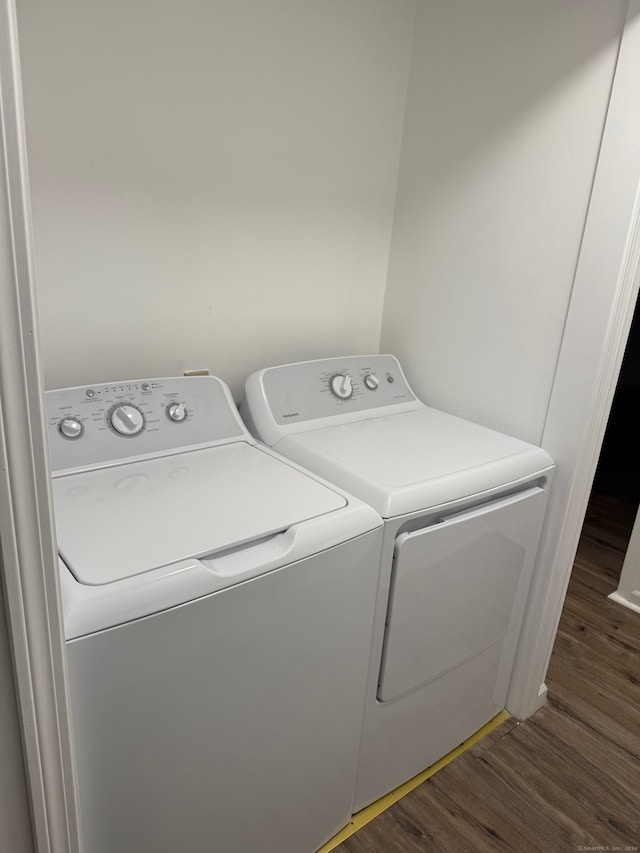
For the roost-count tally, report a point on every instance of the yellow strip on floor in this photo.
(367, 814)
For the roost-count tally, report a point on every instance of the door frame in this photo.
(27, 539)
(602, 302)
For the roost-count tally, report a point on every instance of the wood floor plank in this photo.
(609, 690)
(587, 763)
(579, 639)
(509, 817)
(570, 775)
(570, 703)
(479, 823)
(564, 813)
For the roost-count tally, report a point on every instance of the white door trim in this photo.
(29, 554)
(600, 313)
(628, 592)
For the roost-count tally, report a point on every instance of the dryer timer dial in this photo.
(342, 386)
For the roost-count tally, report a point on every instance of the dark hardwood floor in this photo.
(568, 778)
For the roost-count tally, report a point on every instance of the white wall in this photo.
(505, 112)
(213, 183)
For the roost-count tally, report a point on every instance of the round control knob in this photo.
(127, 419)
(371, 381)
(71, 427)
(341, 386)
(177, 412)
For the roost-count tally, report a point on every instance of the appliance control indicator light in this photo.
(177, 412)
(71, 427)
(127, 419)
(371, 381)
(342, 386)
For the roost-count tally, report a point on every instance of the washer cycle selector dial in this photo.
(342, 386)
(127, 419)
(71, 427)
(371, 381)
(177, 412)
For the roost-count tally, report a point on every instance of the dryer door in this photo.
(458, 587)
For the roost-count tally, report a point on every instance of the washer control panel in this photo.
(334, 386)
(100, 424)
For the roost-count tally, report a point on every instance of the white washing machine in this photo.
(218, 607)
(463, 508)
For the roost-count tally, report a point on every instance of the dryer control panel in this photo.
(94, 425)
(342, 389)
(333, 386)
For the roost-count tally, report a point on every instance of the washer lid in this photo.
(414, 460)
(121, 521)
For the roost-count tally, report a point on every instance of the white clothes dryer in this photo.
(463, 508)
(218, 607)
